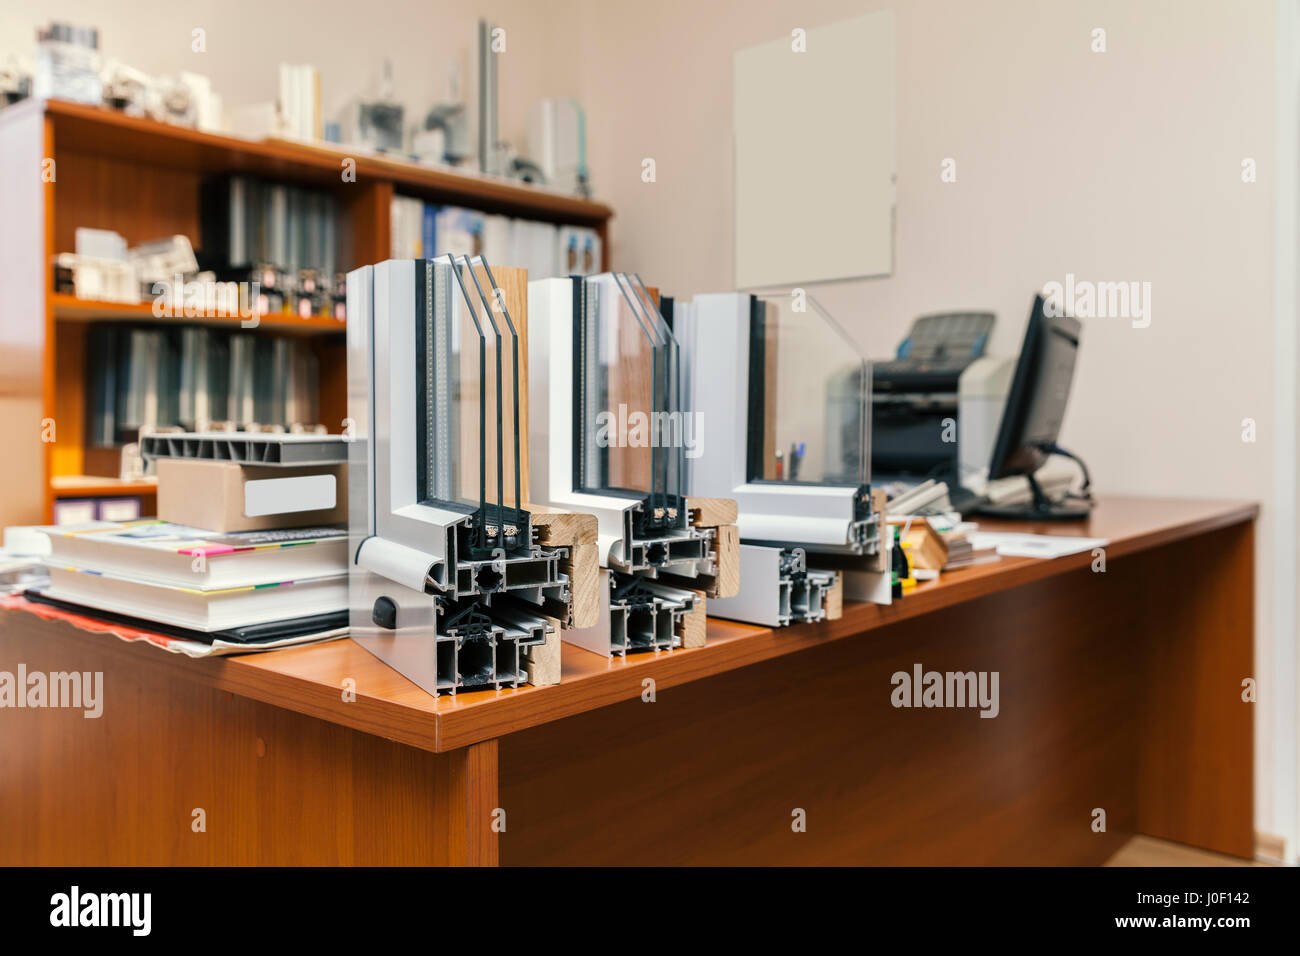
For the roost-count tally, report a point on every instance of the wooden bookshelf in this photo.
(141, 179)
(112, 135)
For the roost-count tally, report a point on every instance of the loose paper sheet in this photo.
(1011, 545)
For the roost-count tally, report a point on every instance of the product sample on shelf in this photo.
(785, 393)
(240, 482)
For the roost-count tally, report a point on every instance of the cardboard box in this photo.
(223, 496)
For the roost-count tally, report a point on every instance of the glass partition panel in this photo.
(809, 389)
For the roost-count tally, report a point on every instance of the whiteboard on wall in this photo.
(814, 155)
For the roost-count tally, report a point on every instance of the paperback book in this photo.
(162, 553)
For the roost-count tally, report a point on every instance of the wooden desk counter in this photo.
(1118, 690)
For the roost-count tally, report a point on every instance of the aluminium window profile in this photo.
(597, 342)
(448, 583)
(767, 375)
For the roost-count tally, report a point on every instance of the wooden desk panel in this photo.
(1108, 700)
(277, 787)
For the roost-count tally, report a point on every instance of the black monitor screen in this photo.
(1039, 392)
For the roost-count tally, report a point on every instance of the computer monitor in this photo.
(1031, 420)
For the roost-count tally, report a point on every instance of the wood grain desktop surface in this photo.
(309, 679)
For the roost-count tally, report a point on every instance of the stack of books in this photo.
(961, 553)
(262, 582)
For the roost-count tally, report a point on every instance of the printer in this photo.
(936, 406)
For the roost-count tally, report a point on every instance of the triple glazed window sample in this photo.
(449, 584)
(608, 439)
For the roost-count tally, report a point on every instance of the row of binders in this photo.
(422, 230)
(251, 227)
(192, 376)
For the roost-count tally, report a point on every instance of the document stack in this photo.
(247, 584)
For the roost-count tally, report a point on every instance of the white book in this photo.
(200, 609)
(395, 231)
(541, 253)
(496, 242)
(415, 230)
(170, 554)
(306, 100)
(288, 101)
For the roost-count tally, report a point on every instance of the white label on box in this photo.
(277, 496)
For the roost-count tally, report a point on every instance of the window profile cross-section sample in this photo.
(449, 584)
(789, 391)
(609, 434)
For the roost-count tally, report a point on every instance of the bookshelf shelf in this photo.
(70, 308)
(65, 166)
(107, 133)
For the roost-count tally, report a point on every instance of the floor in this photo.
(1148, 851)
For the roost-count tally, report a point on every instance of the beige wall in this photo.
(1117, 166)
